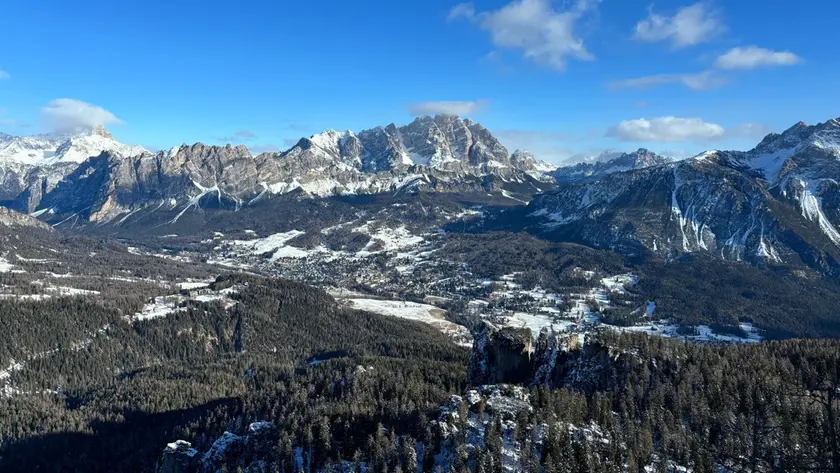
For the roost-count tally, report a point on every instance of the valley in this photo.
(440, 313)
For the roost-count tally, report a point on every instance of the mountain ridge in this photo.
(774, 204)
(438, 153)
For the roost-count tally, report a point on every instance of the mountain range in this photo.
(442, 153)
(777, 203)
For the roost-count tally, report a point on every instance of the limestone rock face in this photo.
(501, 356)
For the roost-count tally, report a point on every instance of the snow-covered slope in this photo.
(29, 150)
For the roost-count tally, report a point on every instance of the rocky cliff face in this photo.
(500, 356)
(510, 356)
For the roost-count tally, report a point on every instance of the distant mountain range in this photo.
(607, 163)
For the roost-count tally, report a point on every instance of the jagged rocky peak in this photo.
(824, 135)
(643, 157)
(525, 161)
(442, 142)
(788, 139)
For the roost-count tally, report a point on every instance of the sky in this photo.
(563, 79)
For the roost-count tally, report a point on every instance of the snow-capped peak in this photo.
(41, 150)
(79, 148)
(329, 139)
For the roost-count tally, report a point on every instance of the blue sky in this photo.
(556, 77)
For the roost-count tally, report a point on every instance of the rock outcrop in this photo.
(179, 457)
(500, 356)
(227, 452)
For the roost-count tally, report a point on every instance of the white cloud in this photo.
(690, 25)
(4, 74)
(751, 57)
(543, 34)
(462, 10)
(446, 108)
(667, 129)
(74, 115)
(705, 80)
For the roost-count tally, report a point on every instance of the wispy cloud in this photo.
(238, 137)
(671, 129)
(15, 123)
(752, 57)
(691, 25)
(741, 58)
(749, 131)
(4, 74)
(543, 34)
(705, 80)
(246, 135)
(67, 115)
(548, 145)
(446, 108)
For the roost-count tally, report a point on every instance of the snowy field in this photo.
(536, 322)
(704, 332)
(425, 313)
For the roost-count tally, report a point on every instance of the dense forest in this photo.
(347, 386)
(115, 400)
